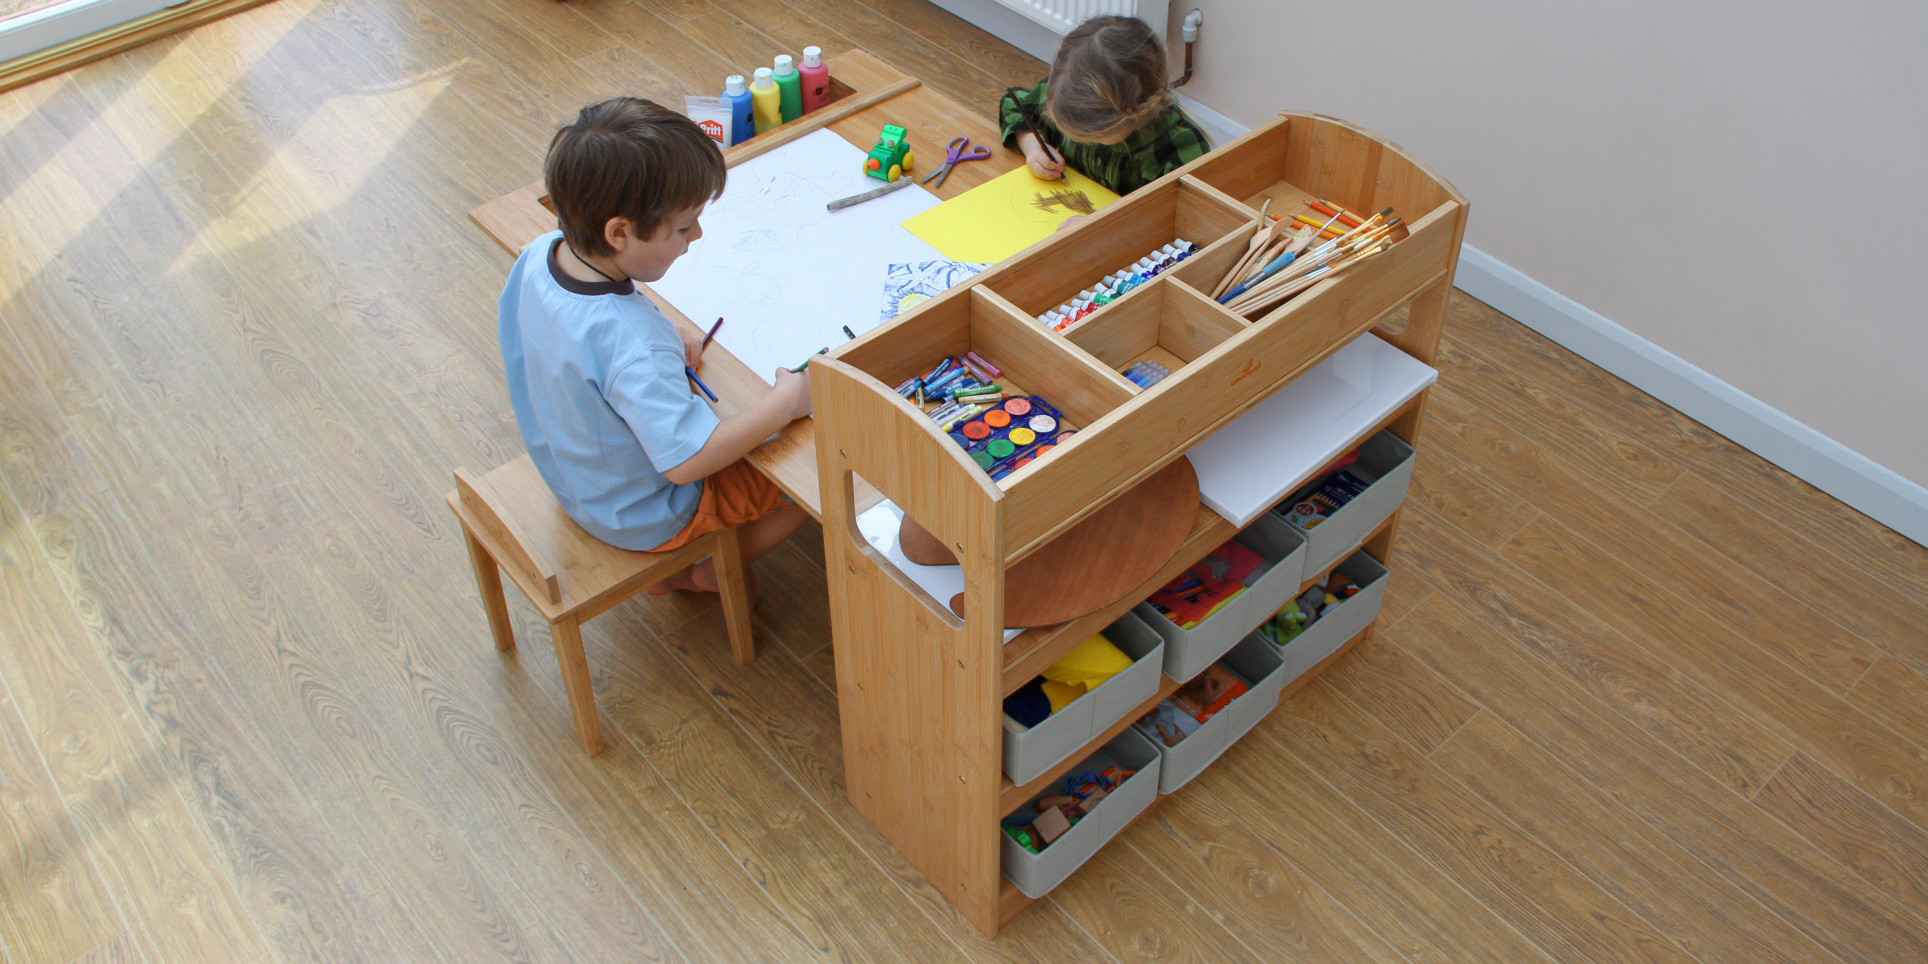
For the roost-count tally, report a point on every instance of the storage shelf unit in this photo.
(920, 690)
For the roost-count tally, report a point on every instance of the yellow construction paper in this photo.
(1094, 661)
(1001, 217)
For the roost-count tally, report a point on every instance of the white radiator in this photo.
(1036, 26)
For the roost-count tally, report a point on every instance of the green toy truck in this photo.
(891, 158)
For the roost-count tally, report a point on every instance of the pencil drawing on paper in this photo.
(1074, 201)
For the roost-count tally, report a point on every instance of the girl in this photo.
(1106, 109)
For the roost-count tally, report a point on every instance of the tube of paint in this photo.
(816, 79)
(742, 123)
(789, 87)
(765, 102)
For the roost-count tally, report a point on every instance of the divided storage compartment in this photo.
(1341, 622)
(1386, 465)
(1031, 360)
(1035, 874)
(1162, 322)
(1057, 269)
(1255, 661)
(1029, 751)
(1189, 651)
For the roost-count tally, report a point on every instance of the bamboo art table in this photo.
(865, 94)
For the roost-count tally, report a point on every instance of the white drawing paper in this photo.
(785, 274)
(907, 285)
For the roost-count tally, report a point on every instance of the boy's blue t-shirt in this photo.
(595, 375)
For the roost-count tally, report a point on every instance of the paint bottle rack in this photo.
(919, 688)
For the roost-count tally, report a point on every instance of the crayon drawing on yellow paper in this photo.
(1001, 217)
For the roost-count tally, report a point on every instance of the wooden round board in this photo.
(1094, 563)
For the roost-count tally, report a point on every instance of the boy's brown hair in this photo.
(628, 158)
(1107, 80)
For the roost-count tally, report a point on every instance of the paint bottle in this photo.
(816, 79)
(742, 124)
(765, 102)
(789, 87)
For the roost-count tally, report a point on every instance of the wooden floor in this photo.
(1637, 693)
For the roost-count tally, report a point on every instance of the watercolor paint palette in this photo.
(1009, 435)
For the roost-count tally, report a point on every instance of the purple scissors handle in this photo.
(954, 155)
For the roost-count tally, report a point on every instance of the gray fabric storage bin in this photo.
(1189, 651)
(1029, 751)
(1386, 464)
(1256, 662)
(1035, 874)
(1342, 622)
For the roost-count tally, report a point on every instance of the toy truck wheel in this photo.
(895, 172)
(909, 159)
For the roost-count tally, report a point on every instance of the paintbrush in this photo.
(1261, 230)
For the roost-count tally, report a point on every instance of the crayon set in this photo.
(1001, 432)
(1324, 499)
(1115, 285)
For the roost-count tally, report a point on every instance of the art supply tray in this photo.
(1010, 435)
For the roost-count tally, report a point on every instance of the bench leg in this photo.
(567, 635)
(488, 579)
(732, 581)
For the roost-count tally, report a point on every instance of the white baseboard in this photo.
(1875, 490)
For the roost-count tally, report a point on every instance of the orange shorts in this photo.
(736, 494)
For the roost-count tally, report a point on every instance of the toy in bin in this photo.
(1059, 812)
(892, 157)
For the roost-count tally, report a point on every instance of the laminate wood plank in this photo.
(57, 905)
(1730, 468)
(1886, 763)
(372, 705)
(1894, 695)
(1274, 908)
(1128, 906)
(105, 776)
(780, 706)
(1597, 654)
(1410, 699)
(1783, 872)
(1595, 448)
(1701, 910)
(755, 810)
(1474, 842)
(1749, 535)
(1820, 646)
(1426, 914)
(1870, 839)
(1466, 496)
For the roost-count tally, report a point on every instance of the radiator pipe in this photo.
(1189, 31)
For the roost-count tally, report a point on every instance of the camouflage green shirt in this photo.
(1148, 154)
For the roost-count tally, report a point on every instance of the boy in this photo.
(596, 372)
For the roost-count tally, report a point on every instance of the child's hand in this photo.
(692, 347)
(1040, 161)
(793, 392)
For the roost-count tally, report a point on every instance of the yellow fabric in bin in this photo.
(1094, 661)
(1062, 695)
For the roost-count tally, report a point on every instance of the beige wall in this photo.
(1742, 184)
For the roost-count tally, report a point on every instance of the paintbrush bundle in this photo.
(1273, 272)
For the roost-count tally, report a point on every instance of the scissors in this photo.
(953, 156)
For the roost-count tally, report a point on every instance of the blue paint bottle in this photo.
(742, 124)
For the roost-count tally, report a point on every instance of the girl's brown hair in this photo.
(1108, 80)
(628, 158)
